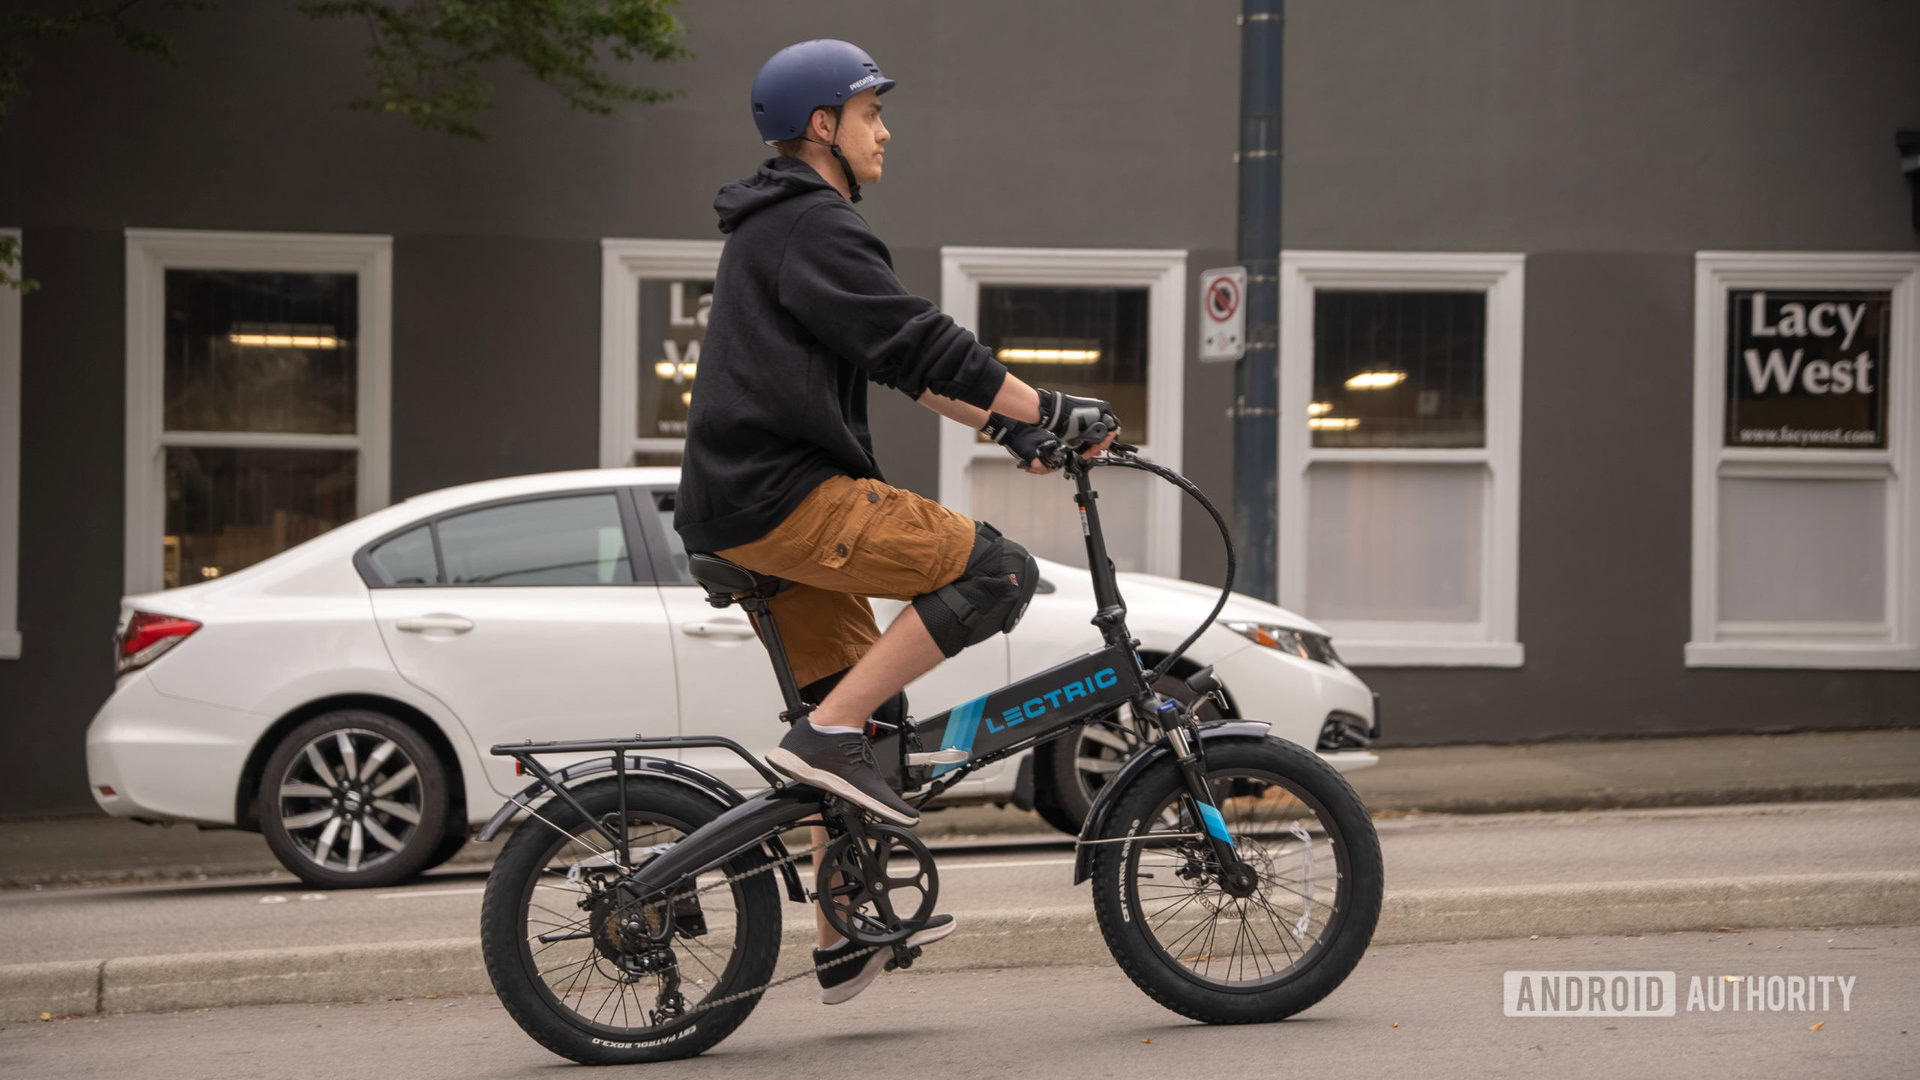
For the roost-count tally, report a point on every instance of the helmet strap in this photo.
(853, 186)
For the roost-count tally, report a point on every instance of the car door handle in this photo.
(719, 628)
(421, 624)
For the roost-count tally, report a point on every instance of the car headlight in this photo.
(1316, 647)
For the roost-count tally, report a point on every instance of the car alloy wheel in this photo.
(354, 798)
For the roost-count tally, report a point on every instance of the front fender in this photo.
(1103, 803)
(651, 768)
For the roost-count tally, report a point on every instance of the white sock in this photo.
(838, 943)
(824, 730)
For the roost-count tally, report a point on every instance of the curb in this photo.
(1038, 937)
(1015, 833)
(1380, 804)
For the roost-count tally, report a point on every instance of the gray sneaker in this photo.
(844, 980)
(843, 765)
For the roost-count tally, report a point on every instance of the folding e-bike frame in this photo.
(933, 753)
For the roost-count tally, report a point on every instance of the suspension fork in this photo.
(1193, 769)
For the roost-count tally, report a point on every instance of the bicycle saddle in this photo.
(726, 581)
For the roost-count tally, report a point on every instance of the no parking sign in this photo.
(1223, 313)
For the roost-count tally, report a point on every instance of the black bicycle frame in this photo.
(997, 724)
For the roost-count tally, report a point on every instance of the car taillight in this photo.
(147, 636)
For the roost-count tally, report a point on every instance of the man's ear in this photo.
(822, 126)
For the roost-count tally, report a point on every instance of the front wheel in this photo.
(1238, 956)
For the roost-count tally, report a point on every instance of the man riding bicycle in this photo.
(779, 473)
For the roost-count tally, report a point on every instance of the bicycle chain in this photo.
(741, 995)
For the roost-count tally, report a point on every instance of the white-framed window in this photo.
(258, 369)
(1105, 323)
(10, 467)
(1806, 517)
(1399, 485)
(654, 297)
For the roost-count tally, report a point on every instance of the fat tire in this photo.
(421, 848)
(503, 932)
(1137, 954)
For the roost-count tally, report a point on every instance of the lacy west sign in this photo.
(1807, 369)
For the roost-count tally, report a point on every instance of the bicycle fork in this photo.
(1236, 877)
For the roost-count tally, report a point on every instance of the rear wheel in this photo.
(605, 981)
(1266, 946)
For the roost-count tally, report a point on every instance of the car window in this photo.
(676, 551)
(407, 559)
(573, 540)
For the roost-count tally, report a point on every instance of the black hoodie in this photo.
(806, 308)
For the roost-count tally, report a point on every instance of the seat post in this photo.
(782, 668)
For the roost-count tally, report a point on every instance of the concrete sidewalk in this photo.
(1729, 769)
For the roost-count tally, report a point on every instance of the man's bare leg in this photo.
(904, 653)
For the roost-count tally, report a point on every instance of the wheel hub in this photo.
(1240, 881)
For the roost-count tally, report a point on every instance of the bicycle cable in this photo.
(1226, 535)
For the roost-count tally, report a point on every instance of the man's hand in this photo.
(1085, 424)
(1030, 445)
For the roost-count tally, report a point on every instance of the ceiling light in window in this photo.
(686, 397)
(1050, 356)
(1319, 408)
(664, 369)
(688, 369)
(284, 335)
(1334, 423)
(285, 341)
(1376, 380)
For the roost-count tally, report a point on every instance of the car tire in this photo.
(354, 799)
(1064, 787)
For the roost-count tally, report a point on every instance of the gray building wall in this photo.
(1608, 144)
(1015, 123)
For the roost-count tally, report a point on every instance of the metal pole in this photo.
(1256, 403)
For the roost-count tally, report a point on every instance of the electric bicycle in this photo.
(634, 914)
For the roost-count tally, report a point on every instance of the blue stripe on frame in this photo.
(962, 724)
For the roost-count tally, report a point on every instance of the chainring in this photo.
(864, 882)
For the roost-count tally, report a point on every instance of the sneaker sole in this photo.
(877, 963)
(789, 763)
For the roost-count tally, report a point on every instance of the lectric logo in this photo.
(868, 81)
(1036, 707)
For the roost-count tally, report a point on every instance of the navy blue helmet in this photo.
(798, 79)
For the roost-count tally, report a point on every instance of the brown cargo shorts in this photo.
(848, 540)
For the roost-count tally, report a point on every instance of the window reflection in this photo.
(261, 352)
(673, 324)
(228, 509)
(1398, 369)
(575, 540)
(1086, 341)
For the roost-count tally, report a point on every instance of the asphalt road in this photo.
(1431, 1010)
(1420, 852)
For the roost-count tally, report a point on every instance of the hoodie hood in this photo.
(778, 180)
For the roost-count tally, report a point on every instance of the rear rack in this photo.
(523, 752)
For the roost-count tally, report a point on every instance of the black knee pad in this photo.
(987, 599)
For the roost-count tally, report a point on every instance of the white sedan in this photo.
(341, 696)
